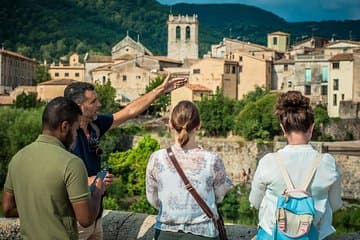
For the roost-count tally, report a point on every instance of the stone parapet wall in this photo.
(239, 155)
(120, 225)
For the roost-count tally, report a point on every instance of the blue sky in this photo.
(296, 10)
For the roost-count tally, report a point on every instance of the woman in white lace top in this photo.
(179, 214)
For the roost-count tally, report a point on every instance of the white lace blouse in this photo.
(165, 189)
(325, 188)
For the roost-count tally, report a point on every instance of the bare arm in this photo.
(140, 104)
(9, 205)
(86, 211)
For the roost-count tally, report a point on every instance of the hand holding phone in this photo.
(100, 175)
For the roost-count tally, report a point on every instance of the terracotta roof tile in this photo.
(99, 58)
(342, 57)
(197, 88)
(16, 55)
(58, 82)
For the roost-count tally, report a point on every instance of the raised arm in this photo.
(140, 104)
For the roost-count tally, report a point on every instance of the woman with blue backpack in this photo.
(296, 189)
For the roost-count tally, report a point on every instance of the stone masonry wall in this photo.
(239, 155)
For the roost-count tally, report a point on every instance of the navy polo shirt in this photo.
(87, 149)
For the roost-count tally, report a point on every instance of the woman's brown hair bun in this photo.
(294, 111)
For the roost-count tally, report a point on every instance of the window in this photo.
(187, 37)
(66, 74)
(325, 74)
(56, 74)
(308, 75)
(336, 84)
(342, 96)
(103, 80)
(196, 71)
(124, 78)
(275, 40)
(240, 58)
(289, 84)
(240, 68)
(334, 100)
(233, 70)
(286, 67)
(324, 90)
(227, 68)
(307, 90)
(138, 77)
(178, 31)
(77, 74)
(336, 65)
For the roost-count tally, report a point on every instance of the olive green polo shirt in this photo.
(45, 179)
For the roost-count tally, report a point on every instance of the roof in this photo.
(129, 41)
(279, 33)
(284, 61)
(342, 41)
(98, 59)
(14, 54)
(198, 88)
(106, 67)
(164, 59)
(249, 44)
(58, 82)
(342, 57)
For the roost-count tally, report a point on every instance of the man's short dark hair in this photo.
(58, 110)
(76, 91)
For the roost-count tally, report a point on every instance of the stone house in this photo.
(15, 70)
(190, 92)
(73, 70)
(53, 88)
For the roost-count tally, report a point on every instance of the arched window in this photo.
(187, 33)
(178, 33)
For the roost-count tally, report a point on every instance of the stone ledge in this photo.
(120, 225)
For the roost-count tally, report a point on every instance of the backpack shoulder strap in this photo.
(312, 171)
(283, 171)
(95, 128)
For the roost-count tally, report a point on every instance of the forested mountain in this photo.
(45, 29)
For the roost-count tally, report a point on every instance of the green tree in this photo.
(130, 166)
(256, 120)
(106, 95)
(42, 74)
(27, 100)
(321, 118)
(18, 128)
(217, 114)
(160, 104)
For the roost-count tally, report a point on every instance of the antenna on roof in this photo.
(127, 33)
(138, 38)
(2, 46)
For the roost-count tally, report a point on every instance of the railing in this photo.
(344, 149)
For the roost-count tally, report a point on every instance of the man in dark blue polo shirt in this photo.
(93, 126)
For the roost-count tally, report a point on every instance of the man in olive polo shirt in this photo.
(46, 186)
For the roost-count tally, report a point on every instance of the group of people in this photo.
(48, 181)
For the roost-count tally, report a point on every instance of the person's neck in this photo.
(84, 122)
(297, 139)
(191, 144)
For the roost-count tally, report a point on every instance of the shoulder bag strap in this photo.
(312, 171)
(283, 171)
(189, 187)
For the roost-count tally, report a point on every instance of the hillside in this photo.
(50, 29)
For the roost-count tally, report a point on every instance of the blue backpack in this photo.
(295, 208)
